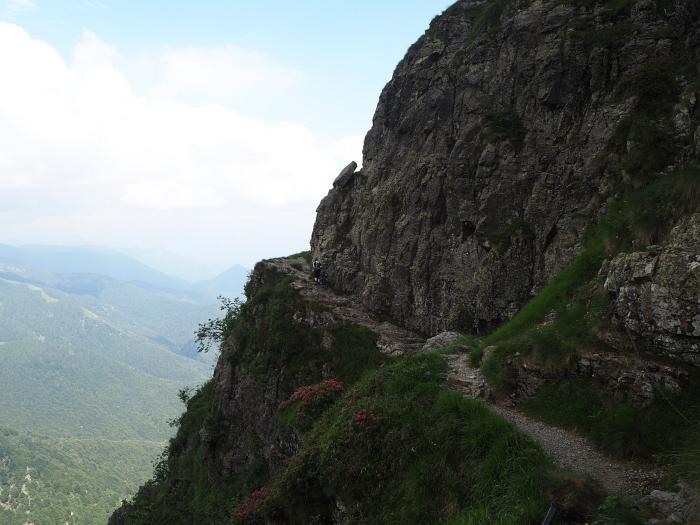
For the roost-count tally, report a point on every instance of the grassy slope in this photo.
(581, 309)
(70, 373)
(399, 447)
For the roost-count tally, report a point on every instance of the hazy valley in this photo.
(94, 348)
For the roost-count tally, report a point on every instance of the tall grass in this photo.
(622, 428)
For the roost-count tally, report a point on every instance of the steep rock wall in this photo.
(497, 143)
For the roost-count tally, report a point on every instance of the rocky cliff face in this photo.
(657, 292)
(502, 136)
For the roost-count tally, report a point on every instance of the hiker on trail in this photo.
(317, 271)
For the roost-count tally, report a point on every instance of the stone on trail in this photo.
(442, 341)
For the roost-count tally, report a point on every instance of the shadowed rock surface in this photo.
(494, 147)
(657, 293)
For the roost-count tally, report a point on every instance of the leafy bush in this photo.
(616, 510)
(307, 403)
(214, 331)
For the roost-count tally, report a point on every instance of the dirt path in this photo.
(574, 452)
(393, 340)
(567, 449)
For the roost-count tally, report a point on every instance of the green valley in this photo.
(91, 367)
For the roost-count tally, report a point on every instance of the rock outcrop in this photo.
(656, 293)
(625, 379)
(497, 143)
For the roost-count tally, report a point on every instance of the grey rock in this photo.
(441, 341)
(456, 222)
(624, 378)
(345, 175)
(656, 293)
(671, 507)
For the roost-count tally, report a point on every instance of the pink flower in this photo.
(252, 505)
(309, 394)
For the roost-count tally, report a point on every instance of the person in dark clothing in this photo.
(317, 271)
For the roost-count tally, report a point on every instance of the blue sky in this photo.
(161, 128)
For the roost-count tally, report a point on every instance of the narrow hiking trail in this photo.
(566, 448)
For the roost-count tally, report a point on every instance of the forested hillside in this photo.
(91, 367)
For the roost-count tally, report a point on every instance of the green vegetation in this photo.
(554, 296)
(552, 347)
(484, 18)
(647, 134)
(646, 215)
(78, 481)
(617, 510)
(71, 368)
(276, 338)
(686, 459)
(489, 18)
(579, 309)
(262, 335)
(386, 437)
(619, 428)
(642, 217)
(90, 369)
(401, 448)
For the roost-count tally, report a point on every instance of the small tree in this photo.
(214, 331)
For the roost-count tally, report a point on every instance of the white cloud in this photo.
(83, 158)
(220, 72)
(12, 8)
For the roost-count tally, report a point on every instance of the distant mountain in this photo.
(87, 260)
(90, 270)
(229, 283)
(190, 268)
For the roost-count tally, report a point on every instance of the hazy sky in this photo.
(194, 134)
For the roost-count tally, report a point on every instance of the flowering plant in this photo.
(253, 504)
(307, 395)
